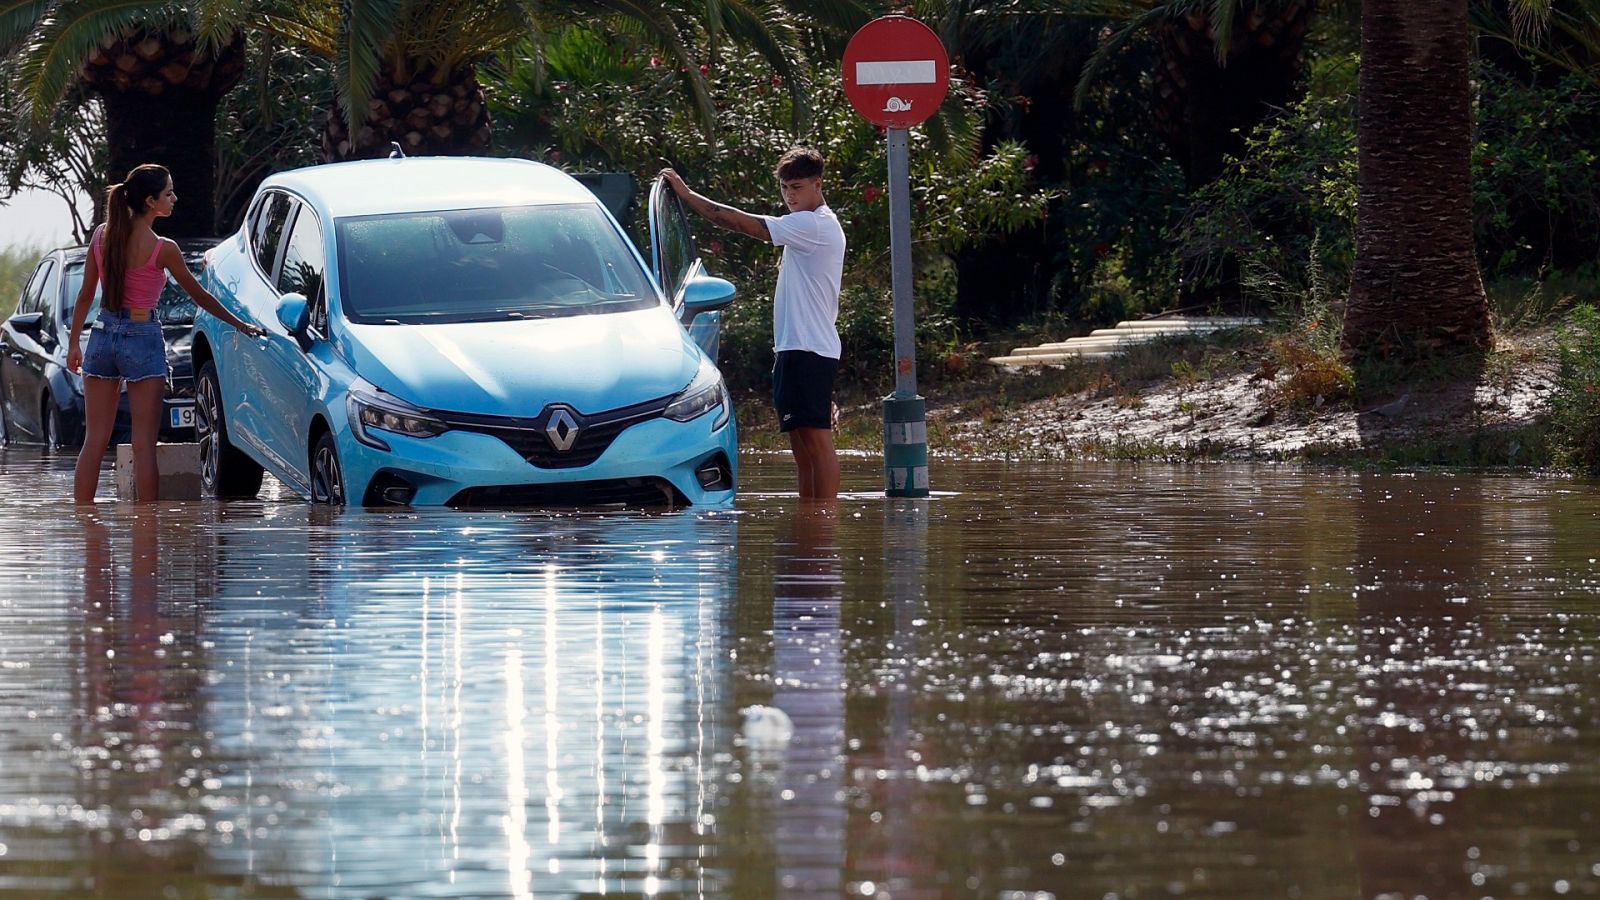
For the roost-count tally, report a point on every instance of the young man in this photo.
(805, 309)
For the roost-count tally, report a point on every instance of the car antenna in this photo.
(395, 152)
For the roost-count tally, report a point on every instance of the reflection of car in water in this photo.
(548, 695)
(42, 402)
(470, 332)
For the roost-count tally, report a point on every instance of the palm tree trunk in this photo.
(160, 94)
(426, 113)
(1415, 289)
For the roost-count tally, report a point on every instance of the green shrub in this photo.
(1575, 408)
(17, 262)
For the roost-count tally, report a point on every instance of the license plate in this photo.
(182, 416)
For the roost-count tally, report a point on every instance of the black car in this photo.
(42, 402)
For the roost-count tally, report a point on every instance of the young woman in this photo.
(130, 262)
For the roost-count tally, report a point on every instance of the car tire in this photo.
(327, 477)
(57, 435)
(225, 472)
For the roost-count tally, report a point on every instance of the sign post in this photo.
(896, 74)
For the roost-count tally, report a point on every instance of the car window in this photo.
(33, 294)
(303, 259)
(677, 244)
(478, 265)
(175, 306)
(69, 296)
(268, 231)
(52, 284)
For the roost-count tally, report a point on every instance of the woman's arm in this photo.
(171, 259)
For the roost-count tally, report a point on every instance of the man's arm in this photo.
(718, 213)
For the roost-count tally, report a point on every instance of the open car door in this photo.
(676, 262)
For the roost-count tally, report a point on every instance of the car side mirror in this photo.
(705, 293)
(27, 323)
(294, 313)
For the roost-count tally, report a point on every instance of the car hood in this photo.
(516, 367)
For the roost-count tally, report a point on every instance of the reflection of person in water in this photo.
(808, 669)
(136, 710)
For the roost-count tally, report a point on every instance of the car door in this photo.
(245, 376)
(675, 259)
(287, 367)
(22, 360)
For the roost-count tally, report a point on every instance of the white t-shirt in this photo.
(805, 305)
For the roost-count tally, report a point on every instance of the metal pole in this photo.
(905, 430)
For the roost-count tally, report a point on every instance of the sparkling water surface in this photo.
(1066, 680)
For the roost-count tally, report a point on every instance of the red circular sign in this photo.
(896, 72)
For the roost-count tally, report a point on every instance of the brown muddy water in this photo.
(1068, 680)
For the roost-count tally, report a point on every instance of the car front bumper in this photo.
(656, 458)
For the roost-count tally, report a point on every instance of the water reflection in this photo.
(1065, 681)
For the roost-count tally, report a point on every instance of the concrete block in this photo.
(179, 465)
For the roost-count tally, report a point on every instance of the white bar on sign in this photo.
(910, 71)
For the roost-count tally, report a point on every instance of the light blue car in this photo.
(470, 332)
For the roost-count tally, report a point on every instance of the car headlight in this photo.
(371, 412)
(705, 393)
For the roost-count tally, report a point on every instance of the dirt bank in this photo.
(1210, 400)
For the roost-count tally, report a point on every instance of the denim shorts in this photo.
(125, 350)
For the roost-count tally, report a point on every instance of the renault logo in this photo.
(562, 429)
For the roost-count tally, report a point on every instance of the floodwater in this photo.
(1073, 680)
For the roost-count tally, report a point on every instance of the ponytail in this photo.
(124, 202)
(114, 247)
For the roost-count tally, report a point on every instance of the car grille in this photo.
(636, 493)
(531, 440)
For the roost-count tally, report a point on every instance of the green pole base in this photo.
(905, 447)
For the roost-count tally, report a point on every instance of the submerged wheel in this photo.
(327, 479)
(55, 437)
(225, 472)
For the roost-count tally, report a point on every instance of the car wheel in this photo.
(53, 438)
(225, 472)
(327, 480)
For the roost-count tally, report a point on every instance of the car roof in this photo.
(191, 248)
(426, 184)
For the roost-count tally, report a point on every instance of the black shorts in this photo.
(802, 389)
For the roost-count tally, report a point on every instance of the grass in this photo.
(17, 262)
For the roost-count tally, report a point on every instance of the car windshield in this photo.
(173, 308)
(482, 265)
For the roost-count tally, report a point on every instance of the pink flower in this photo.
(705, 69)
(714, 248)
(871, 192)
(655, 62)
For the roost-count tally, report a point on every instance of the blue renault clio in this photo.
(469, 332)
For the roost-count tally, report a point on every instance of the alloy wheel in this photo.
(205, 432)
(327, 482)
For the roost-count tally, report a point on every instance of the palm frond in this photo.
(18, 19)
(366, 28)
(1101, 58)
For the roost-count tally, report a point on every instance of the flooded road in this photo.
(1078, 680)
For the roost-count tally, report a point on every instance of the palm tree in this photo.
(406, 71)
(1415, 288)
(158, 81)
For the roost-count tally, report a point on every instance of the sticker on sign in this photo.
(920, 71)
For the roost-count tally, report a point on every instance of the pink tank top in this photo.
(141, 287)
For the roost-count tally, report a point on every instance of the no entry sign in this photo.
(896, 72)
